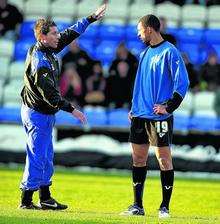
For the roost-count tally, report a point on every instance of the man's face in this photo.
(144, 33)
(51, 39)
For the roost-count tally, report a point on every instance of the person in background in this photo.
(210, 72)
(71, 87)
(193, 74)
(41, 99)
(163, 31)
(96, 83)
(10, 17)
(121, 78)
(79, 59)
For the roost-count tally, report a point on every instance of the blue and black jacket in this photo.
(41, 78)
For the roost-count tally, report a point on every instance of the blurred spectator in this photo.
(193, 74)
(10, 17)
(121, 78)
(210, 72)
(96, 84)
(118, 91)
(164, 34)
(124, 55)
(71, 87)
(79, 59)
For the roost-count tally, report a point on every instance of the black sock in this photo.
(139, 176)
(26, 197)
(167, 178)
(44, 193)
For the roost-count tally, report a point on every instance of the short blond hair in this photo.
(42, 26)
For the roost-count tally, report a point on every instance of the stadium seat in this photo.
(213, 16)
(170, 11)
(36, 8)
(95, 116)
(10, 115)
(131, 33)
(136, 47)
(58, 7)
(138, 9)
(112, 32)
(190, 35)
(212, 36)
(204, 101)
(117, 11)
(62, 25)
(4, 65)
(27, 30)
(118, 118)
(16, 70)
(181, 120)
(193, 16)
(21, 49)
(85, 7)
(92, 32)
(105, 51)
(192, 50)
(6, 47)
(88, 46)
(12, 93)
(65, 119)
(204, 121)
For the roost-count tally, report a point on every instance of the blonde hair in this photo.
(42, 26)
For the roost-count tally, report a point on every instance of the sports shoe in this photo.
(52, 204)
(133, 210)
(30, 206)
(163, 213)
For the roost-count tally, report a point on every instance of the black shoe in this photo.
(52, 204)
(30, 206)
(133, 210)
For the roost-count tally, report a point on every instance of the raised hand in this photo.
(100, 12)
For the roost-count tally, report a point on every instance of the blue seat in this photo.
(212, 36)
(62, 25)
(10, 115)
(118, 118)
(65, 118)
(27, 30)
(96, 116)
(90, 33)
(181, 122)
(136, 47)
(203, 123)
(190, 35)
(131, 33)
(105, 51)
(87, 45)
(112, 32)
(21, 49)
(192, 50)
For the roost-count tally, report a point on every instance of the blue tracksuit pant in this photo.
(39, 160)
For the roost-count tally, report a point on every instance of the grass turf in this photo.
(97, 198)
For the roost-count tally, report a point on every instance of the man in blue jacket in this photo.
(160, 86)
(41, 100)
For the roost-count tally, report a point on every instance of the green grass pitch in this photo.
(99, 197)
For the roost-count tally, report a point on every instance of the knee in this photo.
(165, 164)
(139, 161)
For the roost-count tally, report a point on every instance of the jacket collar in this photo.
(43, 48)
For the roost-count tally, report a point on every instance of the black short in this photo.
(155, 133)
